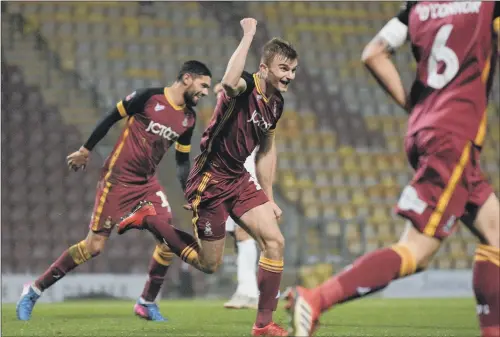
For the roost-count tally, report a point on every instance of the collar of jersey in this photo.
(259, 90)
(175, 106)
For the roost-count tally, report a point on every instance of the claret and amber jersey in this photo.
(455, 46)
(154, 124)
(238, 125)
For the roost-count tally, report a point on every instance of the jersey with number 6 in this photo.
(455, 46)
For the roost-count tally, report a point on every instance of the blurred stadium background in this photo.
(341, 161)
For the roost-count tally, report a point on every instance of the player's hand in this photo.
(277, 211)
(78, 159)
(188, 207)
(249, 26)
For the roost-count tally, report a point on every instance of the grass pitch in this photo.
(369, 317)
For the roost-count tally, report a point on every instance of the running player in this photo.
(246, 295)
(218, 185)
(453, 43)
(157, 118)
(247, 291)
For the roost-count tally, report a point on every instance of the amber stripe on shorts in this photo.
(114, 158)
(408, 261)
(196, 202)
(444, 199)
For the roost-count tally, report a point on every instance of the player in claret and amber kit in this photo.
(455, 44)
(156, 119)
(245, 117)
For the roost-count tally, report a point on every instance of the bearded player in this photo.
(157, 118)
(219, 186)
(455, 46)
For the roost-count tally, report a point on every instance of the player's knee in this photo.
(488, 221)
(95, 244)
(421, 248)
(210, 267)
(274, 247)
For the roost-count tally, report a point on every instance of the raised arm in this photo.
(232, 82)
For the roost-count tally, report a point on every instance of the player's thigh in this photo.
(211, 254)
(437, 195)
(240, 234)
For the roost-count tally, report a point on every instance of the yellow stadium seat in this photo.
(291, 194)
(312, 142)
(308, 196)
(328, 140)
(359, 198)
(312, 211)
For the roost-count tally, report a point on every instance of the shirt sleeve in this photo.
(133, 103)
(395, 32)
(183, 143)
(248, 78)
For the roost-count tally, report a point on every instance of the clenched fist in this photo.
(249, 26)
(78, 159)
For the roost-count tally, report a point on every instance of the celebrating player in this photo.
(247, 291)
(157, 117)
(453, 43)
(219, 185)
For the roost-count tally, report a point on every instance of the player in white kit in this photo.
(247, 291)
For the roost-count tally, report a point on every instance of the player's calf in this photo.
(486, 272)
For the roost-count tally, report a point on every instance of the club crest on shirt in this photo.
(185, 122)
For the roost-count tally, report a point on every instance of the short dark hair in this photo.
(195, 68)
(277, 46)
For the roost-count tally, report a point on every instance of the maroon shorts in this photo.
(213, 199)
(448, 183)
(114, 200)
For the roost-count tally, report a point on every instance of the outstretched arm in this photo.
(102, 129)
(232, 82)
(80, 158)
(129, 106)
(377, 56)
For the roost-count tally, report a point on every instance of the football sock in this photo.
(368, 274)
(486, 283)
(269, 278)
(72, 257)
(181, 243)
(158, 267)
(247, 268)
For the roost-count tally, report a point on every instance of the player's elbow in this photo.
(374, 50)
(368, 55)
(231, 89)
